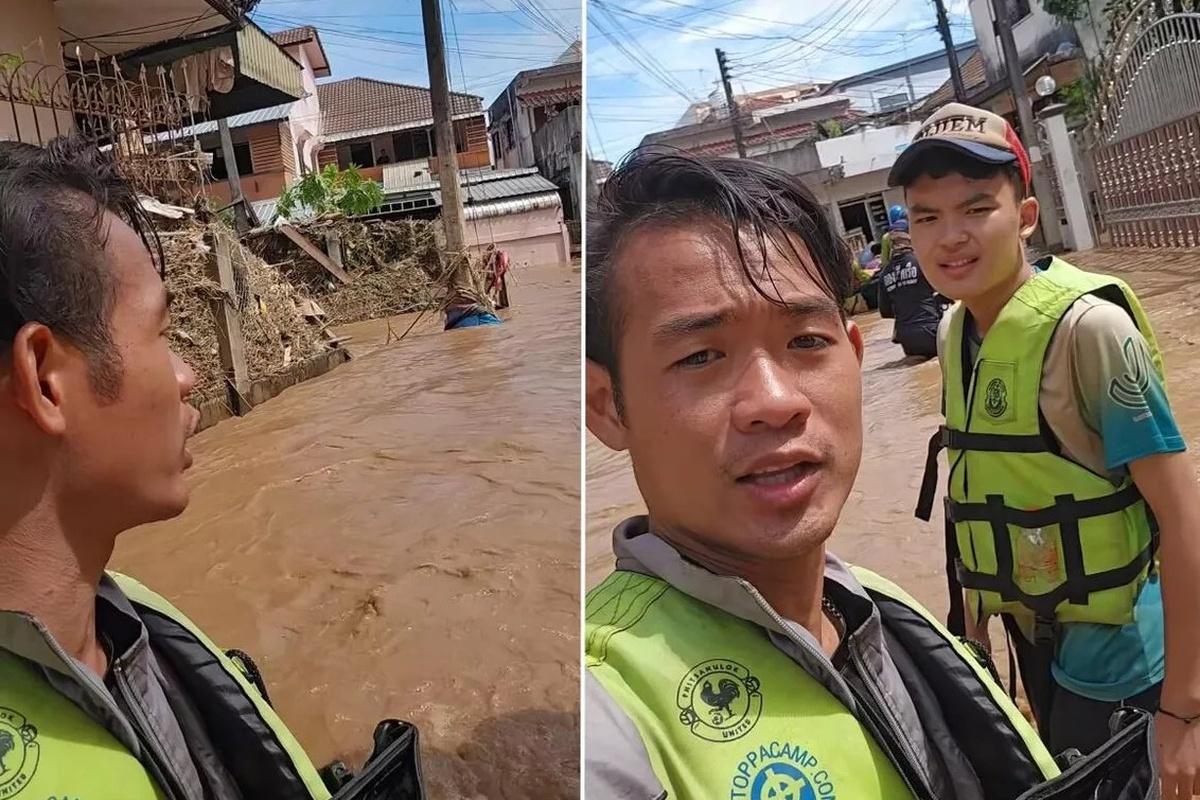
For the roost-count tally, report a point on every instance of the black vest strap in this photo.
(1065, 513)
(949, 438)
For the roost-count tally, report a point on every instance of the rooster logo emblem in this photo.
(19, 751)
(719, 700)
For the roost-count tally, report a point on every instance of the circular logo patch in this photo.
(719, 700)
(781, 770)
(996, 402)
(19, 751)
(781, 781)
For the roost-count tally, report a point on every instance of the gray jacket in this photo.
(141, 702)
(878, 682)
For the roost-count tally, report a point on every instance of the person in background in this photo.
(905, 293)
(1073, 510)
(896, 215)
(107, 691)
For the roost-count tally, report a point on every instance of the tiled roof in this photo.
(294, 35)
(973, 77)
(359, 104)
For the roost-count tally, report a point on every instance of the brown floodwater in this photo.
(900, 412)
(400, 538)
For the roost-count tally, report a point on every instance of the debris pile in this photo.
(275, 331)
(394, 266)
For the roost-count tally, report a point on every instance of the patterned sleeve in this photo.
(1121, 396)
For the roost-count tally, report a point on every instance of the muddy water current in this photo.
(400, 538)
(900, 412)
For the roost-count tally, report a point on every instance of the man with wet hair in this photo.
(106, 690)
(730, 654)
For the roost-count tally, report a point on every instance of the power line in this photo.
(655, 70)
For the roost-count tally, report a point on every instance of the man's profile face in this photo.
(742, 417)
(127, 455)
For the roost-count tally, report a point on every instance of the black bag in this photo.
(1124, 768)
(393, 771)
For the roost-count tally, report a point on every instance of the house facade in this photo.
(900, 86)
(371, 123)
(537, 121)
(357, 121)
(767, 126)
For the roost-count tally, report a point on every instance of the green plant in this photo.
(1080, 97)
(330, 191)
(829, 129)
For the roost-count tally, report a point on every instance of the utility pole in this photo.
(1043, 189)
(943, 26)
(729, 101)
(241, 216)
(443, 128)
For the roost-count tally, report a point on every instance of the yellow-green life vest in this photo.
(1037, 535)
(50, 748)
(723, 713)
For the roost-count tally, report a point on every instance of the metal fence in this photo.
(138, 118)
(1147, 126)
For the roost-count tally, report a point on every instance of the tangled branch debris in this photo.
(275, 331)
(395, 267)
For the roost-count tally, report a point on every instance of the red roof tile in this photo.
(294, 35)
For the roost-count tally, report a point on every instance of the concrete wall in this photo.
(305, 116)
(1037, 34)
(558, 152)
(795, 160)
(530, 238)
(866, 150)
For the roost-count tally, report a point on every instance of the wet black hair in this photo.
(53, 269)
(656, 185)
(939, 162)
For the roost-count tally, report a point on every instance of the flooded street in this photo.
(901, 411)
(400, 538)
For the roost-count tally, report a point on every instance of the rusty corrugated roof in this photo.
(362, 104)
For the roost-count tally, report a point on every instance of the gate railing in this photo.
(137, 118)
(1147, 127)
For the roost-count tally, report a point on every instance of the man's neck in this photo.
(793, 587)
(53, 577)
(985, 310)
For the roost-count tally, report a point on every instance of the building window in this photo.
(361, 155)
(412, 145)
(460, 136)
(509, 138)
(241, 154)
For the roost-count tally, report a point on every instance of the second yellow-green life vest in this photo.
(1037, 535)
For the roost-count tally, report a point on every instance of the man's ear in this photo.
(37, 377)
(600, 400)
(1028, 212)
(856, 339)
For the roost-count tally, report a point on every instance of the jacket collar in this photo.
(638, 549)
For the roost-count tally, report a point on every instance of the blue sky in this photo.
(768, 44)
(489, 41)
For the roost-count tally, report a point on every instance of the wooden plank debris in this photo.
(313, 252)
(230, 343)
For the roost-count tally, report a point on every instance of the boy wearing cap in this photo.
(1068, 482)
